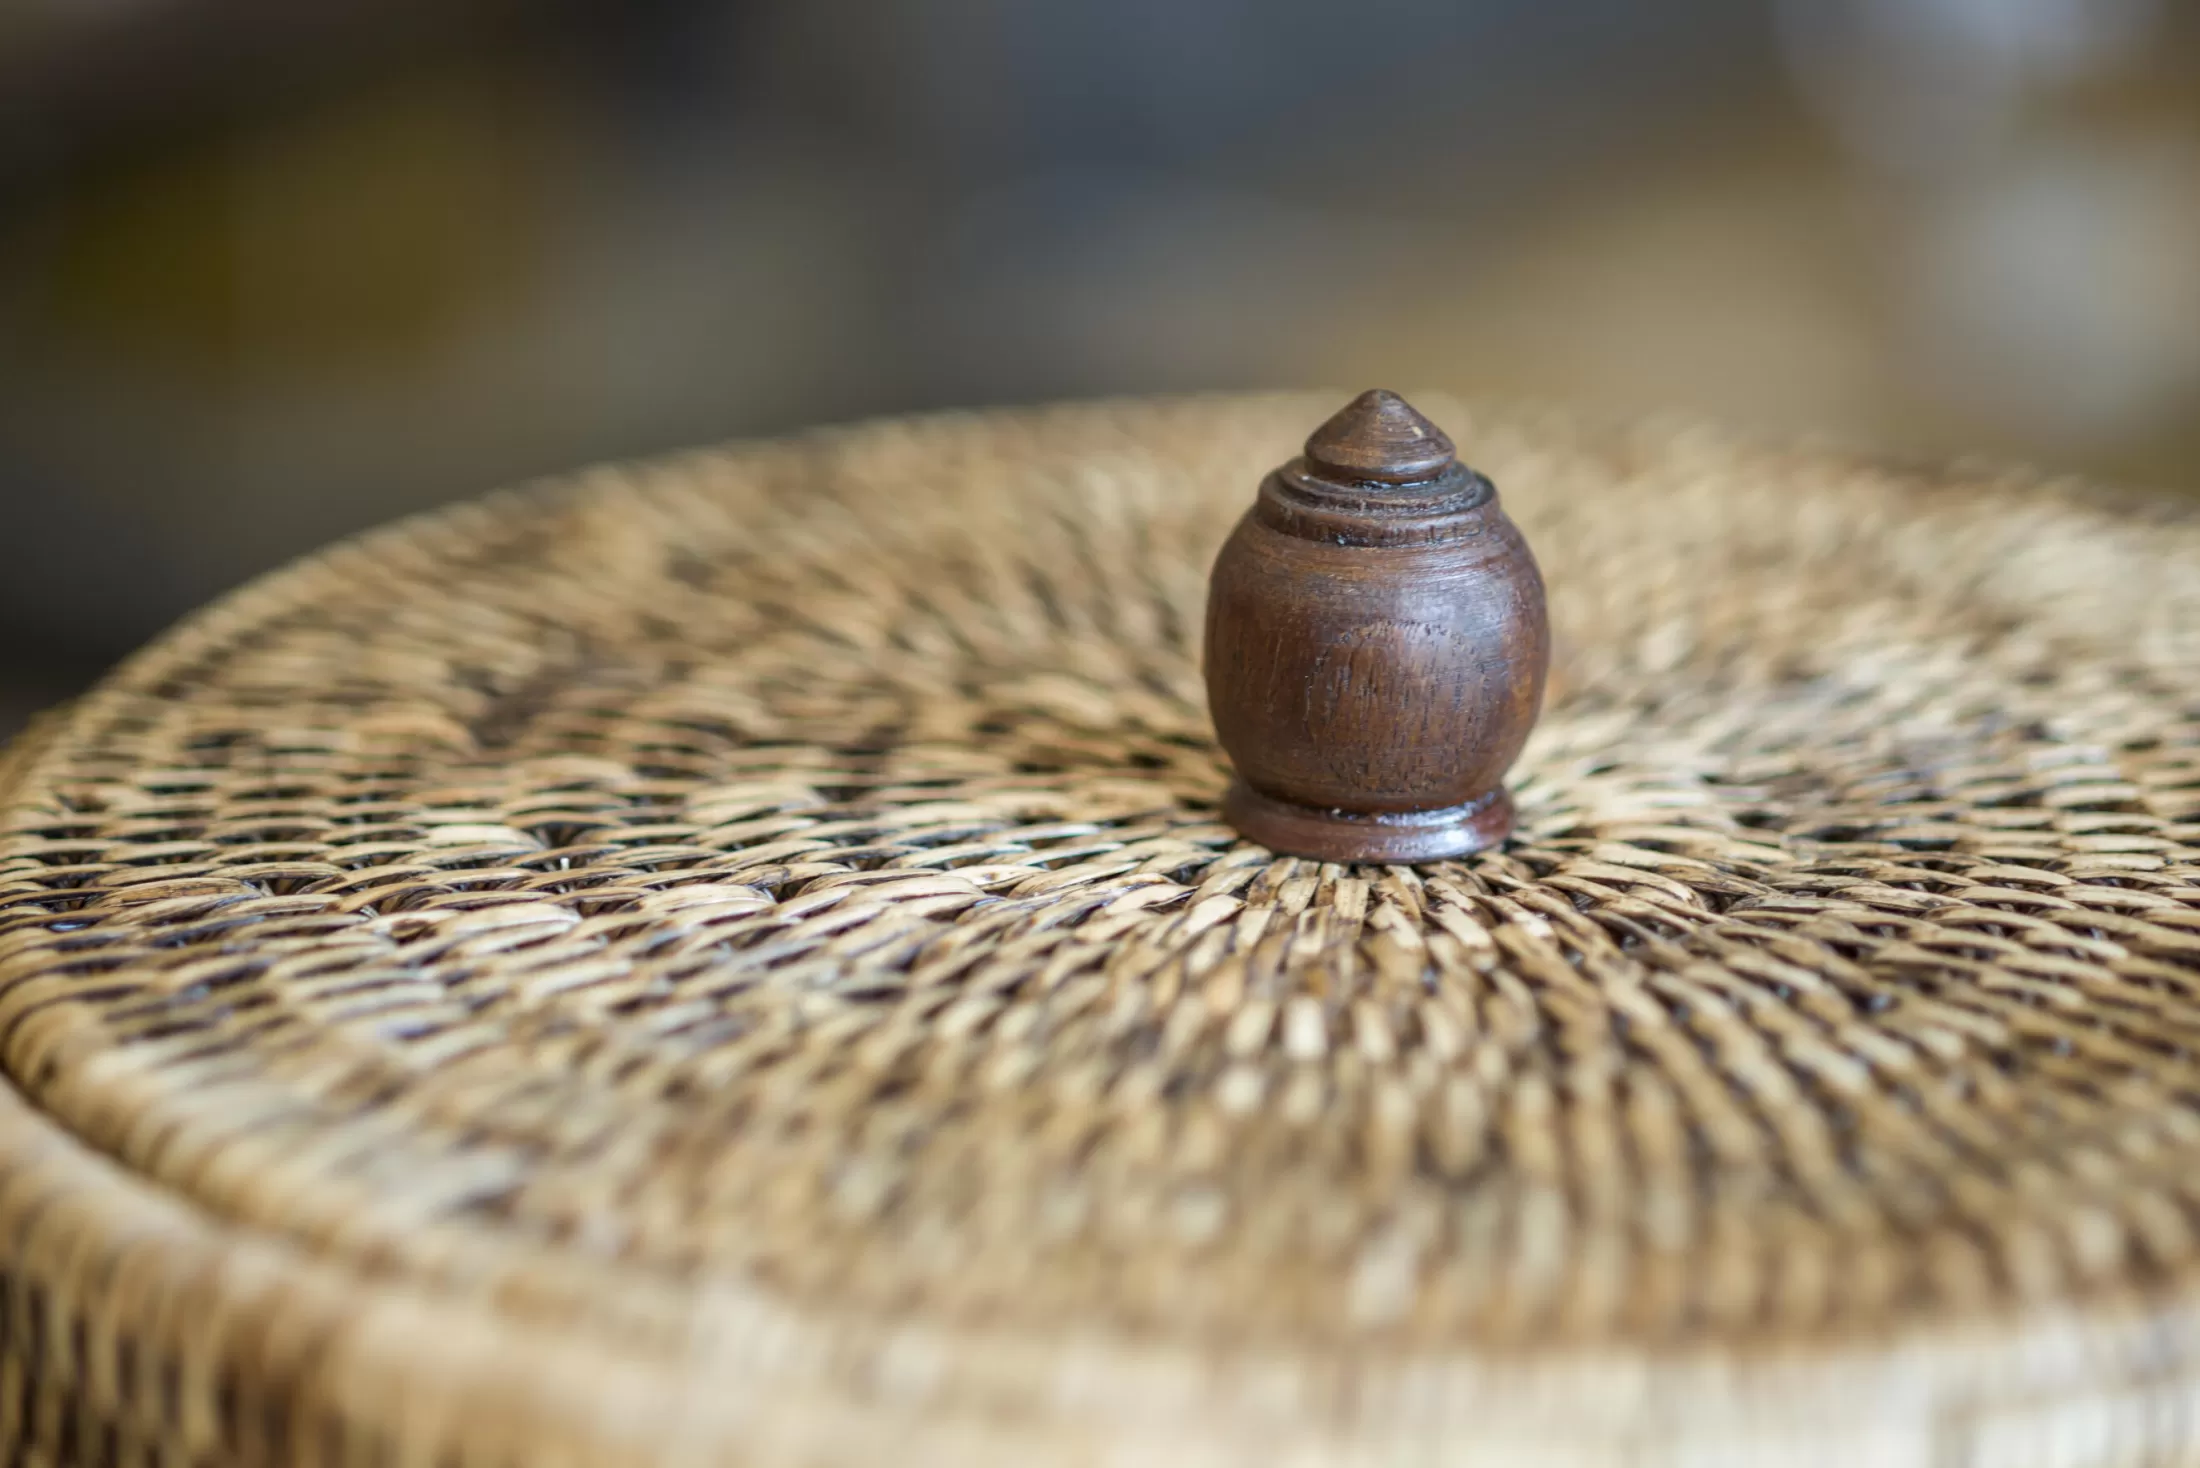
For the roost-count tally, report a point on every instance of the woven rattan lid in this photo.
(734, 960)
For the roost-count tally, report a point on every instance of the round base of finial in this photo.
(1400, 837)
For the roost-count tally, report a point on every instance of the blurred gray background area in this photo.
(273, 272)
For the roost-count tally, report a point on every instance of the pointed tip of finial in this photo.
(1379, 436)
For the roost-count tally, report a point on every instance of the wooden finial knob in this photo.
(1378, 436)
(1376, 647)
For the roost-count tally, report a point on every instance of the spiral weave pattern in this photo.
(735, 960)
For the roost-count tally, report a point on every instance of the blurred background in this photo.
(272, 272)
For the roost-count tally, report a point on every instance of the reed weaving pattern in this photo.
(734, 959)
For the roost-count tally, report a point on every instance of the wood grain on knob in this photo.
(1376, 647)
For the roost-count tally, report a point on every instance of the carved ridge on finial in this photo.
(1379, 436)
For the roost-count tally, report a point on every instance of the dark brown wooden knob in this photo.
(1376, 647)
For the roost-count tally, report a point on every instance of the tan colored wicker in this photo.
(734, 961)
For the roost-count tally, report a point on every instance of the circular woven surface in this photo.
(735, 960)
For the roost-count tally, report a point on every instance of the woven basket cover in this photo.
(735, 960)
